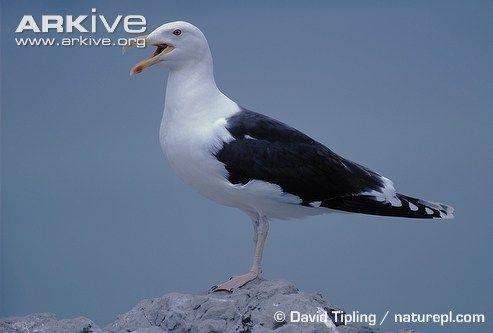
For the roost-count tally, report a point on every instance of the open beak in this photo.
(154, 58)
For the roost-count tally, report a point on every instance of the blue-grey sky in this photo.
(93, 219)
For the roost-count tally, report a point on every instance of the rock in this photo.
(47, 323)
(249, 309)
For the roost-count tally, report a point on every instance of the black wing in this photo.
(266, 149)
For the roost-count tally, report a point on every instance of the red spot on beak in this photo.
(137, 69)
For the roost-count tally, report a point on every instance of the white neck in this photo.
(190, 89)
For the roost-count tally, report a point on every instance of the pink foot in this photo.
(236, 282)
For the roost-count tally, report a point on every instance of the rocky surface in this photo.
(250, 309)
(47, 323)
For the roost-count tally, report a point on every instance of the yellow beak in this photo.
(154, 58)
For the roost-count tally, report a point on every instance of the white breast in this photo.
(189, 143)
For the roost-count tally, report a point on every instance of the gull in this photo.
(243, 159)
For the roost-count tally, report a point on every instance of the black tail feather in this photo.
(374, 205)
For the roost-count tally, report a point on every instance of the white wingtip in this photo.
(448, 214)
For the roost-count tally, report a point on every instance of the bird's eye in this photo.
(177, 32)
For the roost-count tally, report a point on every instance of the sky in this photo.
(93, 219)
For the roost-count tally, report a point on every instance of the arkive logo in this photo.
(82, 23)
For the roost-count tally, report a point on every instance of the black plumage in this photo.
(368, 204)
(268, 150)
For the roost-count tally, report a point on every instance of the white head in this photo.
(178, 44)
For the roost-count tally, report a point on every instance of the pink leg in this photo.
(261, 228)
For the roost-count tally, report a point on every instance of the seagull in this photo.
(247, 160)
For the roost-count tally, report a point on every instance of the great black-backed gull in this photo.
(257, 164)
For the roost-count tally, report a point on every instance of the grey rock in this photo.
(151, 329)
(47, 323)
(249, 309)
